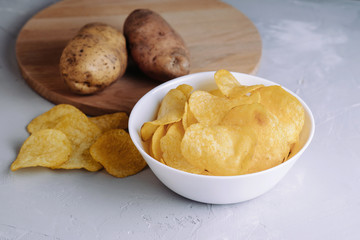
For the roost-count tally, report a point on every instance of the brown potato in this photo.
(94, 58)
(155, 47)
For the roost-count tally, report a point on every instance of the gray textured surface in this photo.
(310, 47)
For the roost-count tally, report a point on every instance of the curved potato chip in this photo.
(172, 106)
(82, 133)
(185, 89)
(294, 149)
(45, 148)
(50, 118)
(188, 118)
(111, 121)
(171, 110)
(147, 130)
(155, 142)
(117, 153)
(221, 150)
(147, 147)
(254, 97)
(226, 82)
(230, 87)
(217, 93)
(208, 109)
(244, 90)
(286, 107)
(171, 147)
(272, 146)
(150, 151)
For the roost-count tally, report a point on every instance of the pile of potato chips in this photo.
(65, 138)
(232, 130)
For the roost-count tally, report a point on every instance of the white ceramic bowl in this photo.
(212, 189)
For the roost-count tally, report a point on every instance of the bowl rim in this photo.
(133, 131)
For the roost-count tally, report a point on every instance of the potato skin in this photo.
(93, 59)
(156, 48)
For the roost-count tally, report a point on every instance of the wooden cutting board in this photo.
(217, 35)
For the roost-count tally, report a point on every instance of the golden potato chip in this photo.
(82, 133)
(217, 93)
(172, 106)
(186, 89)
(244, 91)
(147, 130)
(117, 153)
(254, 97)
(171, 147)
(286, 107)
(46, 148)
(171, 110)
(208, 109)
(50, 118)
(272, 146)
(162, 161)
(149, 146)
(230, 87)
(226, 82)
(155, 142)
(294, 149)
(188, 117)
(221, 150)
(111, 121)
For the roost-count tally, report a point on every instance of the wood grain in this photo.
(217, 35)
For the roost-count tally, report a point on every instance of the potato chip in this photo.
(208, 109)
(111, 121)
(162, 161)
(149, 147)
(46, 148)
(188, 117)
(217, 92)
(117, 153)
(244, 91)
(171, 147)
(50, 118)
(171, 110)
(185, 89)
(230, 87)
(172, 106)
(272, 146)
(294, 149)
(254, 97)
(226, 82)
(221, 150)
(82, 133)
(286, 107)
(155, 142)
(147, 130)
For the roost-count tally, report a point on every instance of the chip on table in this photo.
(45, 148)
(117, 153)
(65, 138)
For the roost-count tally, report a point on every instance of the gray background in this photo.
(310, 47)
